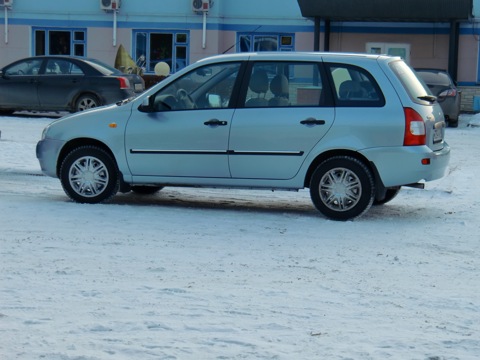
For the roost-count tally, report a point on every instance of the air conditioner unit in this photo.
(6, 3)
(110, 4)
(200, 5)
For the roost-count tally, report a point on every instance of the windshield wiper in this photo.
(429, 98)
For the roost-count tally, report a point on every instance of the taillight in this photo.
(415, 132)
(124, 83)
(448, 93)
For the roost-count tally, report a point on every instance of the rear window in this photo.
(102, 67)
(436, 78)
(410, 81)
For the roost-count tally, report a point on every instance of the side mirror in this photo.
(146, 106)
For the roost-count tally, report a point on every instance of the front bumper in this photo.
(48, 151)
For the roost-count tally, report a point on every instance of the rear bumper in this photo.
(404, 165)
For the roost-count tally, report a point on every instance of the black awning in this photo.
(388, 10)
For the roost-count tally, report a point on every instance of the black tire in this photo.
(453, 123)
(342, 188)
(390, 194)
(6, 112)
(146, 190)
(86, 102)
(89, 175)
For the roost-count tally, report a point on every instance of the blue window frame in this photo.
(59, 41)
(154, 46)
(247, 42)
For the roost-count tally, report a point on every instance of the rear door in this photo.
(59, 84)
(285, 112)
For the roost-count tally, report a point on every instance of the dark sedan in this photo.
(63, 83)
(443, 87)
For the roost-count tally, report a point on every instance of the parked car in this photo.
(443, 87)
(352, 128)
(63, 83)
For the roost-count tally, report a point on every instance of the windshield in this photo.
(415, 87)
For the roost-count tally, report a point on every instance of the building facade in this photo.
(179, 32)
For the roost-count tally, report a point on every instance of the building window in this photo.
(59, 41)
(402, 50)
(265, 42)
(157, 46)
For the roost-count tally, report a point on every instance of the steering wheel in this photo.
(185, 100)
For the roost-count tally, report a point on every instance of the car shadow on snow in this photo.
(296, 203)
(215, 199)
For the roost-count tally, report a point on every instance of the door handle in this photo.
(312, 121)
(215, 122)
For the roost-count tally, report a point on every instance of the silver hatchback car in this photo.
(352, 128)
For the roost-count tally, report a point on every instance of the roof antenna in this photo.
(251, 32)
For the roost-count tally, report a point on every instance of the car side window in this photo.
(62, 67)
(208, 87)
(29, 67)
(285, 84)
(354, 87)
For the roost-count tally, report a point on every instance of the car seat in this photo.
(259, 85)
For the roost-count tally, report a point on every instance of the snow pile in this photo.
(474, 120)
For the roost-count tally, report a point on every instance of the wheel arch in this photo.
(75, 98)
(76, 143)
(344, 152)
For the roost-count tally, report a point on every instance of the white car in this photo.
(352, 128)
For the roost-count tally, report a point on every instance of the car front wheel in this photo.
(342, 188)
(89, 175)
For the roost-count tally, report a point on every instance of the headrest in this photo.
(279, 85)
(259, 82)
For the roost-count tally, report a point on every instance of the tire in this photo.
(89, 175)
(86, 102)
(453, 124)
(342, 188)
(146, 190)
(6, 112)
(390, 194)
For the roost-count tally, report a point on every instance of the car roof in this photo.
(294, 55)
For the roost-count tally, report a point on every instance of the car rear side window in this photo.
(286, 84)
(354, 87)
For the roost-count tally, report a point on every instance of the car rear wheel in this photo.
(86, 102)
(342, 188)
(89, 175)
(146, 190)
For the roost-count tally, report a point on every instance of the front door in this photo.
(19, 83)
(186, 132)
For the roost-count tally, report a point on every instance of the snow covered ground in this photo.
(222, 274)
